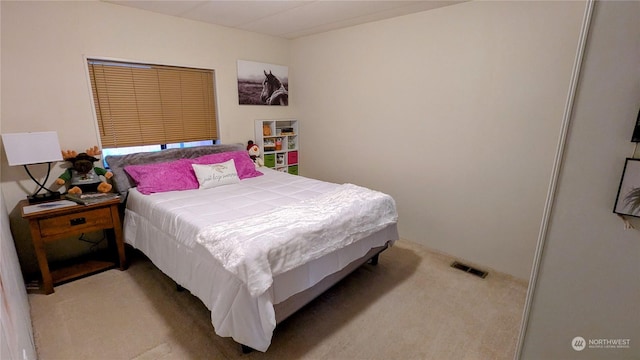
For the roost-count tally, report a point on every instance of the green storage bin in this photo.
(270, 160)
(293, 170)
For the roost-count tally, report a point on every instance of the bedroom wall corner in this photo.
(454, 111)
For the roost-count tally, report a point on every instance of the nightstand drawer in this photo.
(76, 222)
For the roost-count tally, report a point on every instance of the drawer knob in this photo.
(78, 221)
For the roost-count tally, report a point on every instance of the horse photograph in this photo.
(262, 84)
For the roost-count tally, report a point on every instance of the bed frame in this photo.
(296, 302)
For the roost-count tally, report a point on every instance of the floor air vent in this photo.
(469, 269)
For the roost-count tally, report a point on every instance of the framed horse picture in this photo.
(262, 83)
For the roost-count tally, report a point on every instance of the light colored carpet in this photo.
(412, 305)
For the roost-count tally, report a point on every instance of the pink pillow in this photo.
(161, 177)
(244, 165)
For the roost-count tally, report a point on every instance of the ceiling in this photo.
(287, 19)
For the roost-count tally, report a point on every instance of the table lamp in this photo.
(34, 148)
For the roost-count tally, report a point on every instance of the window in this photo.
(147, 106)
(149, 148)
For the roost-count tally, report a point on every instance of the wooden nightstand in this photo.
(56, 224)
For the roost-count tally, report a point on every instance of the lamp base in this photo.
(38, 198)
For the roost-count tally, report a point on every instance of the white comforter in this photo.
(166, 227)
(257, 248)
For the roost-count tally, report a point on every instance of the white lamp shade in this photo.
(32, 147)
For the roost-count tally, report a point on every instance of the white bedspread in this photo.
(257, 248)
(165, 226)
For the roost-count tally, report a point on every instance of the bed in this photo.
(253, 250)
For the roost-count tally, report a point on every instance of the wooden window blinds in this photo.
(139, 104)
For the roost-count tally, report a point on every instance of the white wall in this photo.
(45, 86)
(16, 337)
(16, 334)
(588, 282)
(455, 112)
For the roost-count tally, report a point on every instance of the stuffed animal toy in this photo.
(254, 153)
(266, 130)
(82, 175)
